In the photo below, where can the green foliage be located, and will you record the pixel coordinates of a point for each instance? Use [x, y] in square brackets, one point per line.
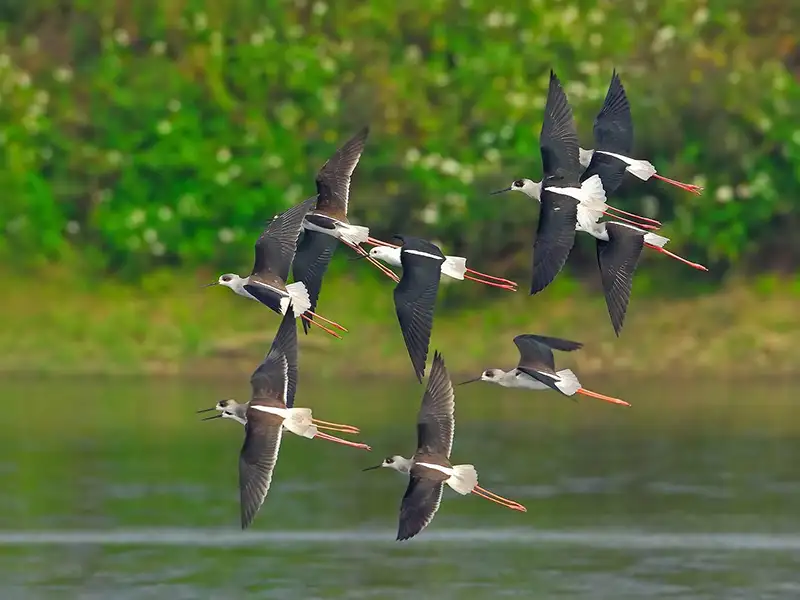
[156, 133]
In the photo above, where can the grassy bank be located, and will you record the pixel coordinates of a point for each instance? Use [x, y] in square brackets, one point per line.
[67, 324]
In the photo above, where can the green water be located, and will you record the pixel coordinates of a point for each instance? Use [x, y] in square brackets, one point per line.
[114, 489]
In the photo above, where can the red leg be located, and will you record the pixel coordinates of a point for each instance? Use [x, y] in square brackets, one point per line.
[308, 319]
[331, 438]
[689, 187]
[697, 266]
[335, 426]
[630, 214]
[313, 314]
[592, 394]
[487, 495]
[502, 286]
[492, 277]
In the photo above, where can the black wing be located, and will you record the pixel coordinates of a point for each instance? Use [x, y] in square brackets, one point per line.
[314, 253]
[535, 354]
[613, 132]
[436, 419]
[414, 302]
[555, 236]
[617, 259]
[419, 505]
[536, 351]
[276, 246]
[256, 462]
[333, 179]
[558, 140]
[551, 342]
[613, 126]
[276, 376]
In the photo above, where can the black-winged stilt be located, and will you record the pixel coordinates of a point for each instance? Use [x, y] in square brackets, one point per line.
[537, 371]
[429, 469]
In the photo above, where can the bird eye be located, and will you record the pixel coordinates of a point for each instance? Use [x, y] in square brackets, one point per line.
[226, 278]
[488, 374]
[389, 461]
[519, 183]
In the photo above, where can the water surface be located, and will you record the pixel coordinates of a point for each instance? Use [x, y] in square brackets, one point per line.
[113, 488]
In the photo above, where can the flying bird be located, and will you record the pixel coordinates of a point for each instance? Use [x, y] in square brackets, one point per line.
[429, 469]
[269, 411]
[561, 190]
[613, 136]
[537, 370]
[454, 267]
[330, 215]
[274, 252]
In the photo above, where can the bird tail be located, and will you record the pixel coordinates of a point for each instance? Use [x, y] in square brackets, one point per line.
[299, 295]
[464, 479]
[298, 421]
[642, 169]
[455, 267]
[354, 234]
[655, 240]
[567, 382]
[593, 192]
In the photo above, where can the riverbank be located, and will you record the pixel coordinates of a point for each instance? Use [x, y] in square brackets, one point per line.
[70, 327]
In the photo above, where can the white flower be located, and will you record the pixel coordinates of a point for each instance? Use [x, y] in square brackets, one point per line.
[122, 37]
[223, 155]
[724, 193]
[150, 236]
[429, 214]
[226, 235]
[164, 127]
[63, 74]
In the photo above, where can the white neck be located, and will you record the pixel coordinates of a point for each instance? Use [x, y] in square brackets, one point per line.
[402, 465]
[532, 189]
[237, 285]
[507, 380]
[389, 255]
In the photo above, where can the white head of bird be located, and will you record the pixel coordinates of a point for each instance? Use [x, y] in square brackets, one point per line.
[396, 462]
[231, 280]
[498, 376]
[532, 189]
[228, 409]
[387, 254]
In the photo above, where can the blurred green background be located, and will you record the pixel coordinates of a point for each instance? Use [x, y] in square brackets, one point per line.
[144, 143]
[137, 138]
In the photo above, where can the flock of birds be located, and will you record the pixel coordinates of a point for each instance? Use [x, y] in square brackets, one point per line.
[572, 194]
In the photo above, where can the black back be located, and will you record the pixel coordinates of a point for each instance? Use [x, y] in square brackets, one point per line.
[613, 132]
[558, 140]
[555, 236]
[314, 253]
[415, 297]
[276, 246]
[436, 419]
[617, 259]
